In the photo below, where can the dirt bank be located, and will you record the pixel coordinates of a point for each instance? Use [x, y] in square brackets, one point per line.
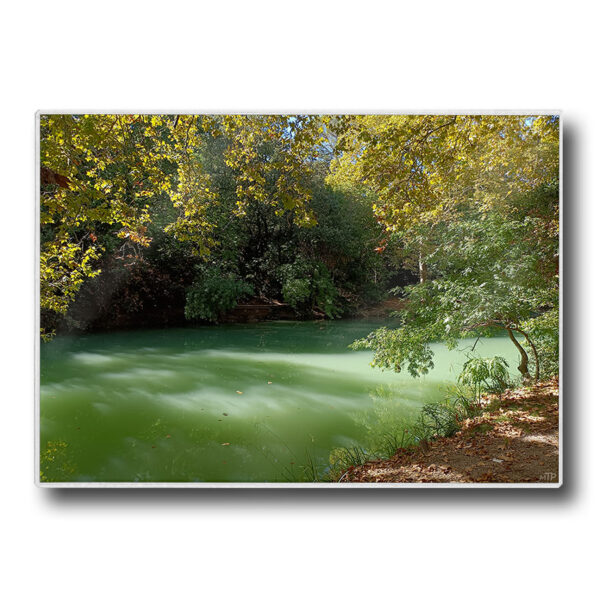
[515, 440]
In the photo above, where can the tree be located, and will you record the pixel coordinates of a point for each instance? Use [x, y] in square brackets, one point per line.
[421, 167]
[462, 196]
[99, 176]
[102, 175]
[328, 266]
[489, 273]
[132, 200]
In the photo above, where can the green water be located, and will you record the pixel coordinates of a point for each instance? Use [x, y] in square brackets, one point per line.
[164, 405]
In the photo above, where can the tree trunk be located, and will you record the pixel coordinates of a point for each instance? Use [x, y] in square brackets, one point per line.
[535, 353]
[523, 365]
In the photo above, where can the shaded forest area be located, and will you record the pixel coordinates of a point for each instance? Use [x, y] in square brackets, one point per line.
[127, 254]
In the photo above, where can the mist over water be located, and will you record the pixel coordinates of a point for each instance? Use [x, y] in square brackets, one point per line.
[225, 403]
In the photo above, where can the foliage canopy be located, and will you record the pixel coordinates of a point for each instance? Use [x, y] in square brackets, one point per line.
[319, 212]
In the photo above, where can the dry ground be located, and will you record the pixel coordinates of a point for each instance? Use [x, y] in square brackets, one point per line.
[515, 440]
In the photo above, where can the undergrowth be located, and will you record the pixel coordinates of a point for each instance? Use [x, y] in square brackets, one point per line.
[435, 420]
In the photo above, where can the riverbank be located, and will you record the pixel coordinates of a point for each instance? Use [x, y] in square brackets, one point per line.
[170, 313]
[514, 440]
[258, 310]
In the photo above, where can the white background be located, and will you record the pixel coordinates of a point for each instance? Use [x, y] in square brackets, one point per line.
[332, 56]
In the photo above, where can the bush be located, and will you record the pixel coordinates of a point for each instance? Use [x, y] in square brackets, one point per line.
[296, 291]
[440, 420]
[307, 284]
[214, 293]
[485, 374]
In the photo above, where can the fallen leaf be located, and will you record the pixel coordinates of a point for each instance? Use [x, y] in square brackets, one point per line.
[238, 392]
[225, 444]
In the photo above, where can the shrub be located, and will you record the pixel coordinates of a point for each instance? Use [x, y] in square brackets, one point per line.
[485, 374]
[439, 420]
[214, 293]
[296, 291]
[307, 284]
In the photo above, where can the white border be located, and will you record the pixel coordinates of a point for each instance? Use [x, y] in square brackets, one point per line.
[321, 485]
[36, 305]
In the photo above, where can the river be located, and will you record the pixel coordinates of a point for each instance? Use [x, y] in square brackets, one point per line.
[229, 403]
